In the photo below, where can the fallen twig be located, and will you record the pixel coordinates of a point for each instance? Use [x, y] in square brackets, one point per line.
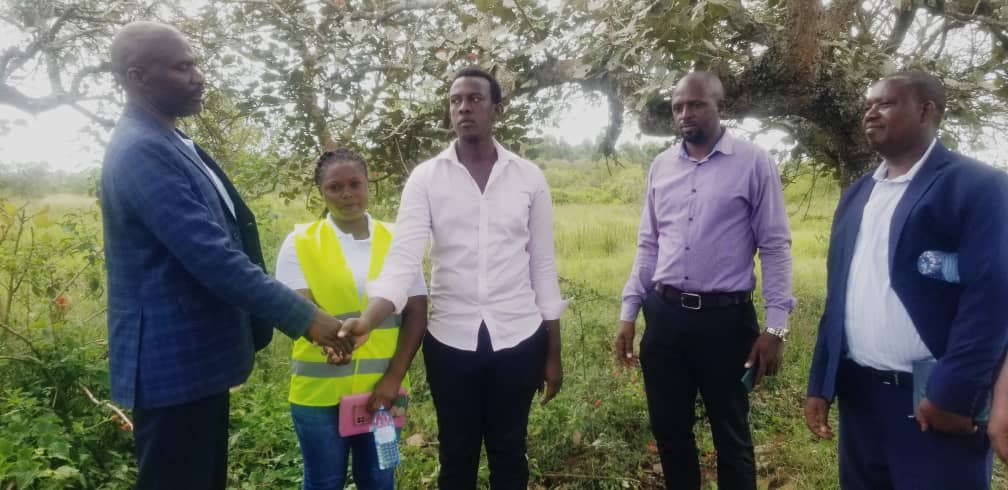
[24, 359]
[127, 423]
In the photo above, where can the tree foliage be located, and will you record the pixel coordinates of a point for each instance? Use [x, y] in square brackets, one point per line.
[311, 74]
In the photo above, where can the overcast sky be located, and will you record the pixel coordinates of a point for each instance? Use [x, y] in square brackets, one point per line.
[57, 137]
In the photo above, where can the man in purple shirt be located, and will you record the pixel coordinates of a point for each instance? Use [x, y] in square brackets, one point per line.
[711, 203]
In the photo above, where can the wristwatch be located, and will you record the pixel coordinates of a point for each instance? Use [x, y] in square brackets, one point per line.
[780, 333]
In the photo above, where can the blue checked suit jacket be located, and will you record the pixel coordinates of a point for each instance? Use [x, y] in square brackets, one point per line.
[184, 297]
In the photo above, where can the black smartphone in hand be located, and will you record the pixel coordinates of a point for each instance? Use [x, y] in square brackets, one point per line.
[749, 376]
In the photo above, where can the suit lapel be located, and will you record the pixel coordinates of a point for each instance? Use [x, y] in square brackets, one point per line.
[919, 186]
[243, 215]
[852, 225]
[211, 164]
[184, 150]
[262, 331]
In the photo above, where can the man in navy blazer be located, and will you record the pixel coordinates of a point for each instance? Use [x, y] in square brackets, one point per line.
[882, 315]
[188, 298]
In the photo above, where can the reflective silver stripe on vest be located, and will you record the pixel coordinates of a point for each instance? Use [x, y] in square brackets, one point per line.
[326, 370]
[392, 321]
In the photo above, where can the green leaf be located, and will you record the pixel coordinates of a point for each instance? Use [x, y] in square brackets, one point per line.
[66, 472]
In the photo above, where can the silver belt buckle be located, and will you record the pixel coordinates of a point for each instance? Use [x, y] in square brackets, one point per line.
[685, 304]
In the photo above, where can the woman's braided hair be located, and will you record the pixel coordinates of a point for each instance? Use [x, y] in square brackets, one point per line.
[338, 155]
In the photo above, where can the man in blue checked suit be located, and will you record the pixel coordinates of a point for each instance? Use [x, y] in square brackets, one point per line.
[883, 316]
[188, 299]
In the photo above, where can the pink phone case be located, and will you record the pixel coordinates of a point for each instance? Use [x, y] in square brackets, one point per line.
[354, 417]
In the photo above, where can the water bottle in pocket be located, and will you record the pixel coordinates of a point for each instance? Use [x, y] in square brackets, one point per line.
[936, 264]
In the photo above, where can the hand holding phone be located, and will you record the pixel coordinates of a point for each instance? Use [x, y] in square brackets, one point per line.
[749, 376]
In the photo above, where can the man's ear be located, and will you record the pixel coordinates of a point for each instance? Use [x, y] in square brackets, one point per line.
[498, 111]
[929, 111]
[134, 76]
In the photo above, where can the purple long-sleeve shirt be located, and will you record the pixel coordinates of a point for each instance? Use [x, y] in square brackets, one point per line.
[704, 220]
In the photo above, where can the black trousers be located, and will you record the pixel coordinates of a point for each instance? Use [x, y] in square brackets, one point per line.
[484, 396]
[183, 446]
[881, 447]
[685, 351]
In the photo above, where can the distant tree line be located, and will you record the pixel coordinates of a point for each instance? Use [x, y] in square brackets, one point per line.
[36, 179]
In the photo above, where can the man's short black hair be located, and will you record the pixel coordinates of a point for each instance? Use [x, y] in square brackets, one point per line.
[925, 86]
[473, 71]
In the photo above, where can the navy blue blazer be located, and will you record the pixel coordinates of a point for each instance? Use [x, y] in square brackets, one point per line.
[954, 204]
[182, 289]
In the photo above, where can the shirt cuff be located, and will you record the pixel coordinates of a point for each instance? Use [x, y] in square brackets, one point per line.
[777, 318]
[629, 311]
[553, 310]
[376, 289]
[298, 318]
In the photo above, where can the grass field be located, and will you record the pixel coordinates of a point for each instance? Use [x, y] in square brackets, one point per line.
[595, 434]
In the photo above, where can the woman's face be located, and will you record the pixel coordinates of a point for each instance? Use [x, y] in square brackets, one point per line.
[344, 188]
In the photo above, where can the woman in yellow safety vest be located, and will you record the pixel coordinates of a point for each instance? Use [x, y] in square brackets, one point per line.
[329, 262]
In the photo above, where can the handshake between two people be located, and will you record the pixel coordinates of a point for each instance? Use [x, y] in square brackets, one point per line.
[338, 339]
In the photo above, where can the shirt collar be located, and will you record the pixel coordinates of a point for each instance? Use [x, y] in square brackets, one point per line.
[185, 139]
[725, 145]
[882, 172]
[343, 235]
[504, 156]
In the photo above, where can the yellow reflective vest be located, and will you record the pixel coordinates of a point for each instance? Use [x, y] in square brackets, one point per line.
[314, 382]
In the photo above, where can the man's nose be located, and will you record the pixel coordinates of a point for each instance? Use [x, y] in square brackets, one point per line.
[871, 112]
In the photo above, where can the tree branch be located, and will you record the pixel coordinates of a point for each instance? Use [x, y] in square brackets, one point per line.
[103, 121]
[800, 50]
[19, 57]
[839, 17]
[403, 6]
[22, 338]
[127, 423]
[904, 17]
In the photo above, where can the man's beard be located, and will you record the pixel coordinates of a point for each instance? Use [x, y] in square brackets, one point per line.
[696, 135]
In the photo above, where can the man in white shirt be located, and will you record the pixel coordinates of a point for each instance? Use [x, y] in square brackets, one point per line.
[884, 318]
[493, 334]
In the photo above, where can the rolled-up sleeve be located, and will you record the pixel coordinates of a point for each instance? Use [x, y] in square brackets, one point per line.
[412, 232]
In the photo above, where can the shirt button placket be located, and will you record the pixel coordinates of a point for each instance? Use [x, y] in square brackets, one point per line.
[481, 250]
[690, 209]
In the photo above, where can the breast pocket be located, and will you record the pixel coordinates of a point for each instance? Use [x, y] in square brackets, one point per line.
[508, 213]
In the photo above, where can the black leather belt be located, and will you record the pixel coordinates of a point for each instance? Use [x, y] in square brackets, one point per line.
[698, 301]
[892, 378]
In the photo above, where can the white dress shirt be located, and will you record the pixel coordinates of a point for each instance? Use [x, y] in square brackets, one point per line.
[209, 173]
[492, 252]
[356, 252]
[880, 333]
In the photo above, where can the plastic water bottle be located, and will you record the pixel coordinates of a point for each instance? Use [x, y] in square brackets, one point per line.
[383, 428]
[943, 266]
